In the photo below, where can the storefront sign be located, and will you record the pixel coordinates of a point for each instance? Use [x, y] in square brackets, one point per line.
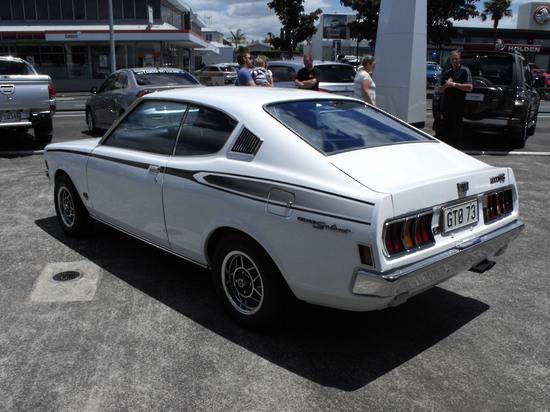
[334, 26]
[522, 48]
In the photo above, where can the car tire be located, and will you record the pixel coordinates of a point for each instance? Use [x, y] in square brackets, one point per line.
[90, 121]
[531, 130]
[250, 287]
[518, 136]
[43, 131]
[71, 212]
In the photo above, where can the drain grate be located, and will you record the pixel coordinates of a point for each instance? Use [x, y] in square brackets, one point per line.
[67, 276]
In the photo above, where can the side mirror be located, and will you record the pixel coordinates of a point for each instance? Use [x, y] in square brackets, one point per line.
[93, 90]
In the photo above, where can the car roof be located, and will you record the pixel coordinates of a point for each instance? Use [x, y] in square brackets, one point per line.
[316, 63]
[224, 97]
[140, 70]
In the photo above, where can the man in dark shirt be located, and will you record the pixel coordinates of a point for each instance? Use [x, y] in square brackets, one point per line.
[455, 83]
[307, 76]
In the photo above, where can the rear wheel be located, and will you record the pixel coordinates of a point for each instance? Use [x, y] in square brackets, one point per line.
[249, 285]
[71, 212]
[90, 121]
[518, 136]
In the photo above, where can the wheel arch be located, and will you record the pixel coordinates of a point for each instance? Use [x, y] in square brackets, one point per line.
[219, 233]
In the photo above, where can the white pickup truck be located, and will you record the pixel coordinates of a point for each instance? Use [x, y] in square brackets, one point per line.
[27, 99]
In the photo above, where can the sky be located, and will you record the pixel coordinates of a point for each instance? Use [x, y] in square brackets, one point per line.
[255, 19]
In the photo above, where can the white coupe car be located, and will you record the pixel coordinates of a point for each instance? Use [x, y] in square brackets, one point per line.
[288, 194]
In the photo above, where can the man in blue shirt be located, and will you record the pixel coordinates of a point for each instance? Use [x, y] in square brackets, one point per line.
[244, 78]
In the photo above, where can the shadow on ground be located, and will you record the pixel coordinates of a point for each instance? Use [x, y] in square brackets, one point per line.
[18, 141]
[339, 349]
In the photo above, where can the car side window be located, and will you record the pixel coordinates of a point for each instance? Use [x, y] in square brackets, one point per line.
[121, 81]
[204, 131]
[108, 84]
[150, 127]
[282, 73]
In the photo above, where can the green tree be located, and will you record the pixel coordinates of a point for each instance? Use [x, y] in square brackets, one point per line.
[238, 37]
[297, 25]
[439, 16]
[497, 9]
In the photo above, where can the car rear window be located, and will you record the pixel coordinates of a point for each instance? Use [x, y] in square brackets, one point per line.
[499, 70]
[165, 79]
[335, 73]
[335, 126]
[13, 67]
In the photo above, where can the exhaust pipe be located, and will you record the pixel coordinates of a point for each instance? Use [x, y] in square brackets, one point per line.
[483, 266]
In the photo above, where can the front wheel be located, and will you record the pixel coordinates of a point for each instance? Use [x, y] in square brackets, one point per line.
[71, 212]
[90, 121]
[249, 285]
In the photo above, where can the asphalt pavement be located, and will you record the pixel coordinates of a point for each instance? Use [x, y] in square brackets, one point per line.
[142, 331]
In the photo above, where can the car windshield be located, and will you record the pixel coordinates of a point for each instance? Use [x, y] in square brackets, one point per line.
[8, 67]
[335, 73]
[334, 126]
[165, 79]
[497, 69]
[227, 68]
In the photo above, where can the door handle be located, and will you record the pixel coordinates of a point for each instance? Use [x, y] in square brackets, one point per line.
[154, 169]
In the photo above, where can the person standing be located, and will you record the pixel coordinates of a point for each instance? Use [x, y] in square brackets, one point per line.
[364, 87]
[307, 76]
[244, 78]
[455, 83]
[260, 74]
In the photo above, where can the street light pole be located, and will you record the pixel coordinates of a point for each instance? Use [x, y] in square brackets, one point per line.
[112, 37]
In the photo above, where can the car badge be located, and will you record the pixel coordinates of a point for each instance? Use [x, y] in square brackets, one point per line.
[498, 179]
[462, 188]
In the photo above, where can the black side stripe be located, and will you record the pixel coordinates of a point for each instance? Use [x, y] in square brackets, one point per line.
[68, 151]
[133, 163]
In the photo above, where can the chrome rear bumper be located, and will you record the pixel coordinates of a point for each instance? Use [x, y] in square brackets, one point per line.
[410, 280]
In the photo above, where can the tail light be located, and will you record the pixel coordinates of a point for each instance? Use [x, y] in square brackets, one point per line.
[143, 93]
[408, 233]
[497, 205]
[51, 96]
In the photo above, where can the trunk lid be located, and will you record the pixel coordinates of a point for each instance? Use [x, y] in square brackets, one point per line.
[418, 175]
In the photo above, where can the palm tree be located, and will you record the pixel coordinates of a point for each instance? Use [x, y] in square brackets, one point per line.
[497, 9]
[238, 37]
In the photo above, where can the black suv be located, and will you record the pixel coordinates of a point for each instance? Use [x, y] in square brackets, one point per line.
[503, 98]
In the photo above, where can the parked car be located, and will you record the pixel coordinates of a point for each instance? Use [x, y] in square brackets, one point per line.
[504, 96]
[27, 99]
[433, 74]
[333, 77]
[124, 86]
[295, 194]
[227, 70]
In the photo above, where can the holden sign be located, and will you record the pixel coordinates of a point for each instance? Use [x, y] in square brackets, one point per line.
[542, 15]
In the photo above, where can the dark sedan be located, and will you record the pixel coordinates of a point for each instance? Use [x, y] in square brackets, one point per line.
[124, 86]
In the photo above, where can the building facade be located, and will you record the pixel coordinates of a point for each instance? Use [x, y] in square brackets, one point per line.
[69, 39]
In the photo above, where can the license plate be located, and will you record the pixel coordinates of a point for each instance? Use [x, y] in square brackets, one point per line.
[475, 97]
[10, 117]
[459, 216]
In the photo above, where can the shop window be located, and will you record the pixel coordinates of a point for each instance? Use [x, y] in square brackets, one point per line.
[91, 9]
[17, 10]
[129, 11]
[55, 9]
[5, 12]
[117, 9]
[30, 10]
[78, 64]
[155, 4]
[79, 10]
[141, 9]
[67, 9]
[103, 8]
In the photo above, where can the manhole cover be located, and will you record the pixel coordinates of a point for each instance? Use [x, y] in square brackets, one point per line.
[67, 275]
